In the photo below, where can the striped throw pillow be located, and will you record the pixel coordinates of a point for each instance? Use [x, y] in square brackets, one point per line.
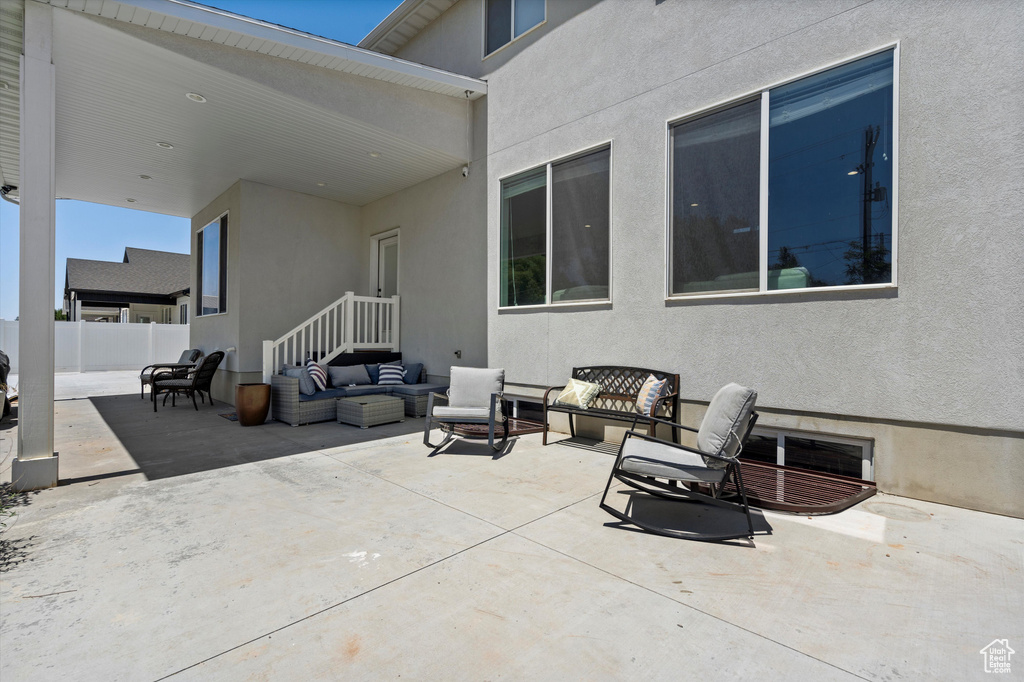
[649, 392]
[318, 374]
[391, 375]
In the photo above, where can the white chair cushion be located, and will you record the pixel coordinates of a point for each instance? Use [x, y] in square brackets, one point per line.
[725, 422]
[662, 461]
[449, 412]
[473, 386]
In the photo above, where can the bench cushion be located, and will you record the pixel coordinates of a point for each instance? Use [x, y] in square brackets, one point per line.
[578, 394]
[446, 412]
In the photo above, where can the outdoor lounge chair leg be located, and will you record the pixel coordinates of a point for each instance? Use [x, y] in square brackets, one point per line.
[194, 400]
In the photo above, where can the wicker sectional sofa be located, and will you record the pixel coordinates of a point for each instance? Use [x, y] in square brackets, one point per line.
[291, 407]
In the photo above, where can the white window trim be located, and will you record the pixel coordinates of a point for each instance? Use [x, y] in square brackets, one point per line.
[227, 238]
[611, 222]
[375, 241]
[484, 54]
[868, 445]
[763, 188]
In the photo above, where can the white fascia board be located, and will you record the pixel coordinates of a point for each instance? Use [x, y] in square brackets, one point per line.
[216, 18]
[390, 22]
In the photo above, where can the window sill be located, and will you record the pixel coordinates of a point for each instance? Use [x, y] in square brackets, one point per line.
[552, 307]
[682, 298]
[199, 317]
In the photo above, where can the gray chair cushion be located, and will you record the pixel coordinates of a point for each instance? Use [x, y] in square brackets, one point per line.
[662, 461]
[448, 412]
[473, 386]
[419, 389]
[306, 385]
[353, 374]
[725, 422]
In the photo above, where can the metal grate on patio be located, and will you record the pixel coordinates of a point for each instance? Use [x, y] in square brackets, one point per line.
[781, 488]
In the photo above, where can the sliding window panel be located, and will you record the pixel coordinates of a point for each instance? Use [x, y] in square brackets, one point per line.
[831, 177]
[580, 224]
[528, 13]
[499, 24]
[715, 201]
[524, 239]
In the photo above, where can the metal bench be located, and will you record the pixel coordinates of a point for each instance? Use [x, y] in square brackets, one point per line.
[617, 399]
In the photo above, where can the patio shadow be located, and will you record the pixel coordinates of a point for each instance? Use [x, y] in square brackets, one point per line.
[177, 441]
[687, 517]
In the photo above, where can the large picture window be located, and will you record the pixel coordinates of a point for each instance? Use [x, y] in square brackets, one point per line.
[212, 261]
[555, 224]
[506, 20]
[816, 212]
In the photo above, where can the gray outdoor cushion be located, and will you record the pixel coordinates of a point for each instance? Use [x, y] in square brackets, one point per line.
[662, 461]
[329, 394]
[419, 389]
[473, 386]
[353, 374]
[306, 385]
[725, 422]
[370, 389]
[448, 412]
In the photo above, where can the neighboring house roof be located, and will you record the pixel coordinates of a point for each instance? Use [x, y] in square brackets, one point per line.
[142, 272]
[403, 24]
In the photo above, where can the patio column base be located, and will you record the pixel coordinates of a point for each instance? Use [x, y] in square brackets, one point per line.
[34, 474]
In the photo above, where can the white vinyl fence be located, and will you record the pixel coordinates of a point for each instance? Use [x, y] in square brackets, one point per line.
[97, 346]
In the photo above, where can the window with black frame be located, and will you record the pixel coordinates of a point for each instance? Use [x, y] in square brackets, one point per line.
[506, 20]
[211, 265]
[827, 192]
[555, 239]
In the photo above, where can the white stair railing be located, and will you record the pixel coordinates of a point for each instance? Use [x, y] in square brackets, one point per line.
[351, 323]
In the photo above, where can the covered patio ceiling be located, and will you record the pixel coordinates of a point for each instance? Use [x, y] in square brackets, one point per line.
[281, 108]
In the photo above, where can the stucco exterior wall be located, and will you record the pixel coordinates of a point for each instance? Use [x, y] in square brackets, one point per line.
[289, 255]
[944, 348]
[218, 332]
[442, 267]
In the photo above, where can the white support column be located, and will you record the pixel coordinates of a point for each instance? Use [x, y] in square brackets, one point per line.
[36, 464]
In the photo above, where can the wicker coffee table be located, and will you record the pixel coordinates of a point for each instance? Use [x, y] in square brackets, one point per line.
[370, 410]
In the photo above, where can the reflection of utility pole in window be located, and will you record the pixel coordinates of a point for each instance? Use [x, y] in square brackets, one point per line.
[870, 257]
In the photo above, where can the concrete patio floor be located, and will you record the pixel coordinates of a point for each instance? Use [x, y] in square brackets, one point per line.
[181, 545]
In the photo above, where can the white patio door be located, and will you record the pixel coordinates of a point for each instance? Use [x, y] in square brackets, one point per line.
[387, 267]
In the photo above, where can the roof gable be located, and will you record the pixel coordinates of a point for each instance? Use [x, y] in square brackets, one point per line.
[143, 271]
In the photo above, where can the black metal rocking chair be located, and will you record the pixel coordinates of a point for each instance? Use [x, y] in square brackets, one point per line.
[474, 400]
[680, 473]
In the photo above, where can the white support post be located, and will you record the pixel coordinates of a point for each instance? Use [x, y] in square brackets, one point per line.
[396, 310]
[36, 463]
[349, 323]
[268, 360]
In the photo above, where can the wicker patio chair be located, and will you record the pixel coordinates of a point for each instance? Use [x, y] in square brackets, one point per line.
[189, 356]
[474, 399]
[198, 381]
[677, 472]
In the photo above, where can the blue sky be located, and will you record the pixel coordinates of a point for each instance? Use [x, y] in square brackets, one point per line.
[99, 232]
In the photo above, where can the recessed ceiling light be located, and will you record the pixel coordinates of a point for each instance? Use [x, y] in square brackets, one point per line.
[130, 201]
[165, 145]
[321, 184]
[853, 172]
[195, 97]
[694, 204]
[375, 155]
[145, 177]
